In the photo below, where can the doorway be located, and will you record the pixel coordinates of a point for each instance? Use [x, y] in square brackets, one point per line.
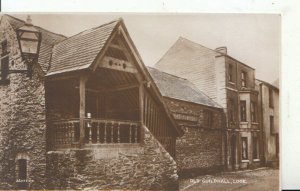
[22, 174]
[233, 151]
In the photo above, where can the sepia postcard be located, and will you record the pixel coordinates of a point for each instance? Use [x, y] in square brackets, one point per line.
[140, 101]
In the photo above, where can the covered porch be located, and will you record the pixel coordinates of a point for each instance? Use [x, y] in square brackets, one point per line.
[101, 107]
[111, 100]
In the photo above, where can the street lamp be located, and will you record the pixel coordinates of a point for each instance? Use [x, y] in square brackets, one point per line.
[29, 39]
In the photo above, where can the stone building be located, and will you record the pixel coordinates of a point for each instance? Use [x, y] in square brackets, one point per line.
[201, 149]
[91, 117]
[231, 84]
[269, 113]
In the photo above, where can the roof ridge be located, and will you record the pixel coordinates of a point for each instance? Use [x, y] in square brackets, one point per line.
[181, 38]
[196, 43]
[167, 73]
[20, 20]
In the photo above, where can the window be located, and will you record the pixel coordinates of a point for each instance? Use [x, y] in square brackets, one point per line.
[253, 112]
[243, 79]
[230, 73]
[255, 148]
[4, 62]
[208, 115]
[231, 110]
[271, 101]
[22, 173]
[243, 110]
[244, 148]
[272, 130]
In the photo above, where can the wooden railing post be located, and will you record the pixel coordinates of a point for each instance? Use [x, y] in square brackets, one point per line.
[82, 82]
[112, 133]
[105, 132]
[98, 133]
[118, 132]
[141, 103]
[130, 134]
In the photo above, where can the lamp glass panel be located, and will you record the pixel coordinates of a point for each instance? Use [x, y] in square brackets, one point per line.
[29, 46]
[30, 35]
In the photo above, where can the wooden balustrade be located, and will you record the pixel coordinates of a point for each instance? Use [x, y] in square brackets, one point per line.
[111, 131]
[66, 133]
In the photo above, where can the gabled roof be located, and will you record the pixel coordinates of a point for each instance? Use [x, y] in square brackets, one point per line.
[185, 51]
[179, 88]
[80, 50]
[49, 39]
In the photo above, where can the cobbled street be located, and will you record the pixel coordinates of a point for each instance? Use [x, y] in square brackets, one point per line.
[262, 179]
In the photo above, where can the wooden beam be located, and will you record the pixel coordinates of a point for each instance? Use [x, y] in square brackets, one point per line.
[90, 90]
[124, 87]
[116, 46]
[141, 102]
[82, 89]
[117, 64]
[129, 58]
[61, 77]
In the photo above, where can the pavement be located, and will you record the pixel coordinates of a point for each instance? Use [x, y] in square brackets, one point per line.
[262, 179]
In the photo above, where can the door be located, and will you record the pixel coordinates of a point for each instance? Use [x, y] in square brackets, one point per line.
[233, 151]
[22, 174]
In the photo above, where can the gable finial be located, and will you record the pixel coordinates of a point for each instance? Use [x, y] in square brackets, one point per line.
[28, 20]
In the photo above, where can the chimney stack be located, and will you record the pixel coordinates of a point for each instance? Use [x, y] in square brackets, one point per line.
[222, 50]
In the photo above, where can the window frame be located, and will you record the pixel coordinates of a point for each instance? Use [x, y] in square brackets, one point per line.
[230, 73]
[244, 79]
[272, 125]
[271, 99]
[244, 149]
[255, 147]
[253, 111]
[243, 110]
[231, 110]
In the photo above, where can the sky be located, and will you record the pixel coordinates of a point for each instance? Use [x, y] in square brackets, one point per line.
[253, 39]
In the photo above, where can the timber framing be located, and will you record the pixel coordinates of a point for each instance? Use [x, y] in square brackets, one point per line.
[135, 66]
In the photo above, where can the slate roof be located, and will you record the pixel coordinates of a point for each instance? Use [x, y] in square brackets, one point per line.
[179, 88]
[74, 54]
[49, 39]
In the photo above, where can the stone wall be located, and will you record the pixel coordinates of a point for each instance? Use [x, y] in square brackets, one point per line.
[199, 151]
[144, 166]
[201, 148]
[22, 120]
